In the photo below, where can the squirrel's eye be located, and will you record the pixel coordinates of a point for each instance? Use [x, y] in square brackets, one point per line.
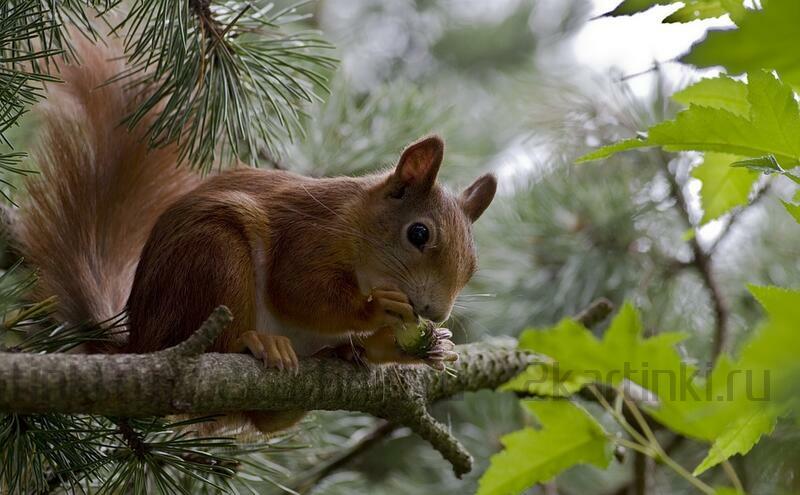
[418, 235]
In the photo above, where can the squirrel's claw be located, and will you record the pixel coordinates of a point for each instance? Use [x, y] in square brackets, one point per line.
[442, 334]
[442, 349]
[275, 351]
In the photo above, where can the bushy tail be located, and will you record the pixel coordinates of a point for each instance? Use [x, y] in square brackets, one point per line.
[100, 191]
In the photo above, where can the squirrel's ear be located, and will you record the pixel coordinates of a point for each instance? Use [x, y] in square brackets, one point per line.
[476, 198]
[420, 163]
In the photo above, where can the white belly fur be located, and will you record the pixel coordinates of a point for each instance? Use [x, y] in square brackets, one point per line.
[306, 342]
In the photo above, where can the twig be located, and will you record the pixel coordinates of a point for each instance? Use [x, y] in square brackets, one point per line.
[731, 473]
[734, 217]
[661, 455]
[641, 473]
[617, 415]
[374, 436]
[647, 443]
[702, 263]
[636, 447]
[596, 312]
[131, 438]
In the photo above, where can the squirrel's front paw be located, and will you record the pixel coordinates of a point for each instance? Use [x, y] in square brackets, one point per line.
[441, 350]
[390, 308]
[275, 350]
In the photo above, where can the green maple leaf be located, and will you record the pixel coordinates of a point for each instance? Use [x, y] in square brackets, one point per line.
[724, 187]
[738, 438]
[717, 92]
[771, 128]
[623, 353]
[545, 380]
[698, 407]
[612, 149]
[766, 39]
[731, 407]
[706, 9]
[690, 11]
[693, 406]
[631, 7]
[569, 436]
[747, 394]
[772, 351]
[794, 210]
[767, 164]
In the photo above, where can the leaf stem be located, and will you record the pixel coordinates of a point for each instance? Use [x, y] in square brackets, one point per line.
[637, 415]
[648, 446]
[631, 445]
[731, 473]
[617, 416]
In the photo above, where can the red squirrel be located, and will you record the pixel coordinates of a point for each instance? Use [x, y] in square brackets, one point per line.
[303, 263]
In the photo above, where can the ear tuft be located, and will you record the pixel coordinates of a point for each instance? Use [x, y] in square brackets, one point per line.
[477, 197]
[419, 164]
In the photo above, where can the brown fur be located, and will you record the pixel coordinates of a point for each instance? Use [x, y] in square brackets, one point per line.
[100, 191]
[317, 233]
[105, 208]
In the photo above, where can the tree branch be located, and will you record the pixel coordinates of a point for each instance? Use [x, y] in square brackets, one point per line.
[183, 380]
[382, 430]
[736, 214]
[593, 314]
[596, 312]
[702, 262]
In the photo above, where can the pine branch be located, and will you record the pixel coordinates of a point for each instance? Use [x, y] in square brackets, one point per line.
[28, 38]
[225, 78]
[182, 380]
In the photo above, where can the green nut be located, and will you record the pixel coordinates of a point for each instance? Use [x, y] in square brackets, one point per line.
[416, 339]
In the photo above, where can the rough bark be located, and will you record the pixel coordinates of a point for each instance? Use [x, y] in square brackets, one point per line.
[183, 379]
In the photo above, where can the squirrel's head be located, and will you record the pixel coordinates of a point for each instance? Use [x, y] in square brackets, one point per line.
[420, 234]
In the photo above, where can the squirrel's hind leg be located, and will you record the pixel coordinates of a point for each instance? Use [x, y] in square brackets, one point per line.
[246, 423]
[271, 421]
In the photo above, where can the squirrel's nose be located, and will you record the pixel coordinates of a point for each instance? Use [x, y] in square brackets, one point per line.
[433, 314]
